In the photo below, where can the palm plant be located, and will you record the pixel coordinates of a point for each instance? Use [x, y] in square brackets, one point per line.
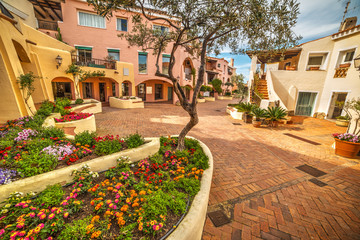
[245, 107]
[275, 114]
[259, 113]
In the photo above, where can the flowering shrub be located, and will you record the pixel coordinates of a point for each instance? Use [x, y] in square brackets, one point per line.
[347, 137]
[77, 154]
[25, 134]
[60, 151]
[6, 175]
[73, 117]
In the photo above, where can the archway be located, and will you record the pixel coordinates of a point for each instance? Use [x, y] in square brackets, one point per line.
[99, 88]
[155, 90]
[188, 66]
[63, 87]
[126, 88]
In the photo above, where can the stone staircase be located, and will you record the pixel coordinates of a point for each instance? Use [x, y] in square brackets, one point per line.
[262, 88]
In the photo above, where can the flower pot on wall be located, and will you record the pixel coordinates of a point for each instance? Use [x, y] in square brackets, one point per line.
[346, 149]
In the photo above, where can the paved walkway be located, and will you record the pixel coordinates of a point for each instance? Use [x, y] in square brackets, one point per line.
[256, 182]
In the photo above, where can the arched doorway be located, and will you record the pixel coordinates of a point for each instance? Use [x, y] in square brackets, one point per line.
[63, 87]
[126, 88]
[155, 90]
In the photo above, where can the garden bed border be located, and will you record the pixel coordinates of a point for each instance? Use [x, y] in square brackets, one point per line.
[191, 227]
[63, 176]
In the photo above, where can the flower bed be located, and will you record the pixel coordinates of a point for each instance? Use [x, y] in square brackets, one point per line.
[73, 117]
[29, 152]
[129, 201]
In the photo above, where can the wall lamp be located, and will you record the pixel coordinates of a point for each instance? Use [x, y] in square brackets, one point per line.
[58, 60]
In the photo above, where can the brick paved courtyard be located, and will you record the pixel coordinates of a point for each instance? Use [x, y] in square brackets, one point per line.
[255, 181]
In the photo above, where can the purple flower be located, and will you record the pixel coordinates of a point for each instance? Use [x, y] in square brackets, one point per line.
[6, 175]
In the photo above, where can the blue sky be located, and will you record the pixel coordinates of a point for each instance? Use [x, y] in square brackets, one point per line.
[317, 18]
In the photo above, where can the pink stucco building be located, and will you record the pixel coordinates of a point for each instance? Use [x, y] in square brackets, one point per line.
[96, 38]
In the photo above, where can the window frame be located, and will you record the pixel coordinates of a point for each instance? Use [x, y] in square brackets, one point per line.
[162, 63]
[162, 28]
[146, 68]
[325, 59]
[117, 25]
[84, 12]
[112, 50]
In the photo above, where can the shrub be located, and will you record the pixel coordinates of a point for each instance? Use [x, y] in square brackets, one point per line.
[276, 113]
[33, 164]
[76, 230]
[86, 138]
[46, 108]
[108, 147]
[259, 112]
[52, 132]
[200, 160]
[36, 122]
[79, 101]
[245, 107]
[216, 83]
[228, 94]
[62, 102]
[37, 145]
[51, 196]
[134, 140]
[190, 185]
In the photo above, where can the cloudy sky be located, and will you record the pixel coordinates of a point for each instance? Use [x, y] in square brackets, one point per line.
[318, 18]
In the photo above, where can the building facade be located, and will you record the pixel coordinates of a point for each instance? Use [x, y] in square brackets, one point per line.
[24, 49]
[313, 77]
[219, 68]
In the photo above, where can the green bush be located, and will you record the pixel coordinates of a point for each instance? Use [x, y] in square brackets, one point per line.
[108, 147]
[276, 113]
[86, 138]
[62, 102]
[217, 83]
[190, 185]
[200, 160]
[76, 230]
[245, 107]
[46, 108]
[51, 196]
[228, 94]
[259, 112]
[36, 163]
[79, 101]
[52, 132]
[38, 144]
[134, 140]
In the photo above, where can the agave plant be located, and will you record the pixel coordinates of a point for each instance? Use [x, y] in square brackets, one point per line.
[276, 113]
[259, 113]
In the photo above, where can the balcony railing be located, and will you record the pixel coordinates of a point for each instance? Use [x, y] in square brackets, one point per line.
[93, 62]
[48, 25]
[341, 72]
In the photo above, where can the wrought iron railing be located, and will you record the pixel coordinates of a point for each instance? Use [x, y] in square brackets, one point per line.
[48, 25]
[93, 62]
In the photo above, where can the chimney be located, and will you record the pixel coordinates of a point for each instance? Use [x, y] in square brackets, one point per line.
[231, 62]
[348, 23]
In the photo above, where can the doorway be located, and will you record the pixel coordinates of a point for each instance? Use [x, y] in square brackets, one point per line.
[158, 91]
[142, 91]
[62, 89]
[336, 104]
[305, 103]
[102, 92]
[170, 93]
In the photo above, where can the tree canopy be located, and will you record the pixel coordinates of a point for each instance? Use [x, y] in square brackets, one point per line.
[200, 27]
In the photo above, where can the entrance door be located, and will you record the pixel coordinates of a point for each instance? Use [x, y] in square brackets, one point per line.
[158, 91]
[62, 89]
[170, 93]
[102, 92]
[305, 103]
[336, 105]
[142, 91]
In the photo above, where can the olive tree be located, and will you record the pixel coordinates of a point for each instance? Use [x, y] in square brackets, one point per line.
[205, 26]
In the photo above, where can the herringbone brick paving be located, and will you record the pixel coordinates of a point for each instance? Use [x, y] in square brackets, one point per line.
[255, 181]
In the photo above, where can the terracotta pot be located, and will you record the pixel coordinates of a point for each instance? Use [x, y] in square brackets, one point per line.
[346, 149]
[344, 65]
[247, 118]
[342, 123]
[256, 123]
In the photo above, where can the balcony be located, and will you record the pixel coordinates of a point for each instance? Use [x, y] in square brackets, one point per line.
[48, 25]
[93, 62]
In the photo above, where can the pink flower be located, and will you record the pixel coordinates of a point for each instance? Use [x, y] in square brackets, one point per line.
[2, 231]
[51, 216]
[20, 225]
[42, 216]
[32, 214]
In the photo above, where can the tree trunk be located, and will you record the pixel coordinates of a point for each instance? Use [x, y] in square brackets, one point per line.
[194, 119]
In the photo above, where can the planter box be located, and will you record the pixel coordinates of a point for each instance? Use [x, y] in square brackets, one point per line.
[39, 182]
[235, 114]
[50, 121]
[210, 99]
[200, 100]
[225, 97]
[342, 123]
[191, 227]
[87, 124]
[346, 149]
[89, 106]
[126, 103]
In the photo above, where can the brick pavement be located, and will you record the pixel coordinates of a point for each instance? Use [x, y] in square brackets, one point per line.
[256, 182]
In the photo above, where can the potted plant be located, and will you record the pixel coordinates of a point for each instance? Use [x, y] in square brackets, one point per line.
[275, 114]
[346, 144]
[246, 109]
[259, 114]
[342, 121]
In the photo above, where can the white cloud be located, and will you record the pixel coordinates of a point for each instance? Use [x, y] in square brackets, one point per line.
[242, 66]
